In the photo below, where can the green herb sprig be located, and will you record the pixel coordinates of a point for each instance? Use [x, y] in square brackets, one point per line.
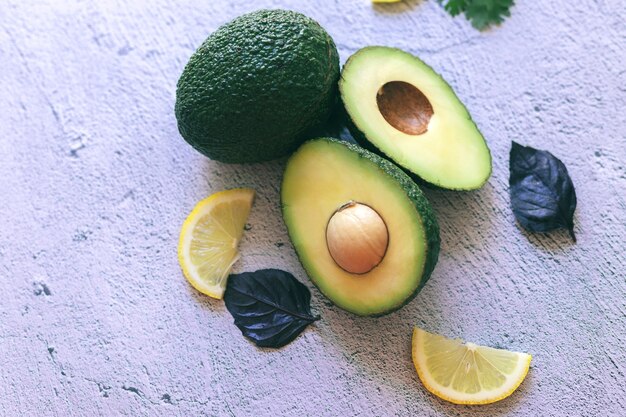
[481, 13]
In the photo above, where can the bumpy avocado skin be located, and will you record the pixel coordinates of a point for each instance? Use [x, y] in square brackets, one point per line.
[422, 205]
[256, 86]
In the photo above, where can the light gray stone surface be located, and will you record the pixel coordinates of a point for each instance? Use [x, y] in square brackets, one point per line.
[95, 181]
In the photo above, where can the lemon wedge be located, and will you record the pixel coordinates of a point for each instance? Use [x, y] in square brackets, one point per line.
[209, 239]
[466, 373]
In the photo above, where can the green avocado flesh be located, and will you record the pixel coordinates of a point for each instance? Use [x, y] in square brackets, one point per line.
[324, 175]
[399, 107]
[256, 86]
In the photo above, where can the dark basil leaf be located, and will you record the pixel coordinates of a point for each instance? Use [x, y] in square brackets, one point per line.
[542, 194]
[270, 306]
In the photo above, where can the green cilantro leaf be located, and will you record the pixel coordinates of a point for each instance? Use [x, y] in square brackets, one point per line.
[455, 7]
[481, 13]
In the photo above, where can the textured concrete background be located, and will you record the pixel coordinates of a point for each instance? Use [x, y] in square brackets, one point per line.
[95, 181]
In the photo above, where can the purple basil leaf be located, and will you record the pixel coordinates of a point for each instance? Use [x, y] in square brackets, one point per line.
[271, 307]
[542, 194]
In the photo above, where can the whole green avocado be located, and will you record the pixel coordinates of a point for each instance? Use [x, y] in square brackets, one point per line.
[256, 87]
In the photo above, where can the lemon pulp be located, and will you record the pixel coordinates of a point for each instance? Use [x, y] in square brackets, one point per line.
[209, 239]
[466, 373]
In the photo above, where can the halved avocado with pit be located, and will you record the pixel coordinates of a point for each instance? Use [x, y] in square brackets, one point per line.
[363, 230]
[401, 108]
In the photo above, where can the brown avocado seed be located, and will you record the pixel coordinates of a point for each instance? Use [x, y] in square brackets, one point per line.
[405, 107]
[357, 238]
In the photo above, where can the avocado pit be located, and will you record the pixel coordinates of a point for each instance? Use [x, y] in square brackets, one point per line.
[404, 107]
[357, 237]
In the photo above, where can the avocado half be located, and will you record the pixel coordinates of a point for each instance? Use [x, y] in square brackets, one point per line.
[401, 108]
[343, 204]
[256, 87]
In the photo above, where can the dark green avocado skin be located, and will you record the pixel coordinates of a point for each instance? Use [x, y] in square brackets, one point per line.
[422, 205]
[256, 87]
